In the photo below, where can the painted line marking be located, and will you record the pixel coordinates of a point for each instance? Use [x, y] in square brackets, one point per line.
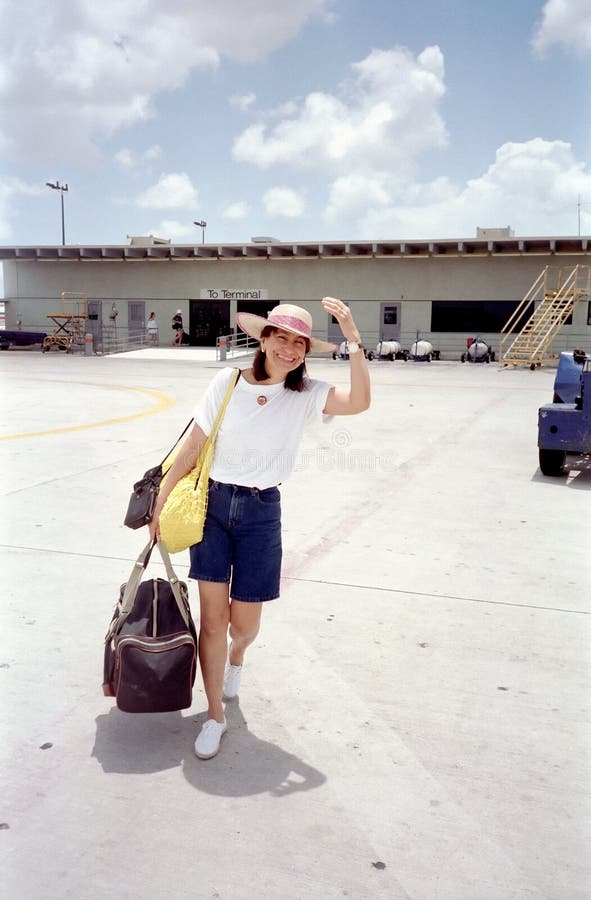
[164, 401]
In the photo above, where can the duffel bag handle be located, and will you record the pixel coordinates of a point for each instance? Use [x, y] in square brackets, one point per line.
[174, 583]
[140, 565]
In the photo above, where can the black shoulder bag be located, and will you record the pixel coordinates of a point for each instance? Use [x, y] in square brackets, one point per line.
[140, 508]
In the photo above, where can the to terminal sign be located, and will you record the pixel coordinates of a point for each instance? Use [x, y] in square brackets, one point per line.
[225, 294]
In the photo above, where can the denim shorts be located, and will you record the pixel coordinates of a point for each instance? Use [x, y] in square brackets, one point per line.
[241, 543]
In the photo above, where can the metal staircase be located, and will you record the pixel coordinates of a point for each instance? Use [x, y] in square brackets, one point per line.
[541, 314]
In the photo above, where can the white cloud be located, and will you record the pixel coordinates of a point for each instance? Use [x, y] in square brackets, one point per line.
[282, 201]
[352, 195]
[528, 182]
[379, 120]
[566, 22]
[124, 158]
[172, 191]
[75, 71]
[127, 159]
[237, 210]
[172, 230]
[10, 189]
[243, 101]
[283, 110]
[153, 152]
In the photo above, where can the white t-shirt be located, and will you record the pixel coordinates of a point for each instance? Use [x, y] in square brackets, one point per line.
[257, 442]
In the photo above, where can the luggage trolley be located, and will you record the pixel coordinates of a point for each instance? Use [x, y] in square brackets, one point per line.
[477, 351]
[343, 351]
[422, 351]
[388, 350]
[70, 322]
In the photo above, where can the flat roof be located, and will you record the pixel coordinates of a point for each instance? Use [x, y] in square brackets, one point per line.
[300, 250]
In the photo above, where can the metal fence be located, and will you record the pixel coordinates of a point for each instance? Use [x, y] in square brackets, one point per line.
[234, 345]
[120, 340]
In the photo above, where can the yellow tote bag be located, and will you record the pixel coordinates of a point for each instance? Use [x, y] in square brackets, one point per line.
[183, 516]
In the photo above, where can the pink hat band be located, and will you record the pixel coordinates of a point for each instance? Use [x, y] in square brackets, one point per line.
[288, 316]
[291, 322]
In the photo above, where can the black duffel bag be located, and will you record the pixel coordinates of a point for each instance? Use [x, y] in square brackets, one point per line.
[151, 645]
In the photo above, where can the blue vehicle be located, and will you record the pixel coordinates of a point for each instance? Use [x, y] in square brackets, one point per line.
[567, 384]
[20, 338]
[564, 426]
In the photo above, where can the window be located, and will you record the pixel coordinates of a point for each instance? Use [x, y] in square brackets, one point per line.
[390, 315]
[472, 316]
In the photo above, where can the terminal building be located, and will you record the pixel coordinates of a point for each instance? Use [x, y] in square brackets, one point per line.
[446, 291]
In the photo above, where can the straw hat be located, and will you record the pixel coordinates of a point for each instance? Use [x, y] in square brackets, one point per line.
[289, 318]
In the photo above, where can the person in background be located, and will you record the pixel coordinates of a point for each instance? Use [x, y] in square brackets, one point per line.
[238, 563]
[177, 327]
[152, 328]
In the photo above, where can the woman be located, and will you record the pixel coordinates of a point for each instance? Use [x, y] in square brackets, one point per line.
[152, 328]
[177, 327]
[238, 562]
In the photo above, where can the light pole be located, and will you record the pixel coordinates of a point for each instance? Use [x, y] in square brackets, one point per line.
[202, 225]
[61, 188]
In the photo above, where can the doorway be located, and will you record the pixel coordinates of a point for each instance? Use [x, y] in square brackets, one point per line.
[95, 322]
[390, 321]
[256, 307]
[136, 322]
[208, 320]
[334, 333]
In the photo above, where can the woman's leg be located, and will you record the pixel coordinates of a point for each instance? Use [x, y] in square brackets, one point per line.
[213, 642]
[245, 620]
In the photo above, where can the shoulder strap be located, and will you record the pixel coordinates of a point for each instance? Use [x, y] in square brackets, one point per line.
[218, 419]
[216, 424]
[178, 440]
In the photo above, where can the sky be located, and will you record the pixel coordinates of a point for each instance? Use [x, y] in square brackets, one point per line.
[311, 120]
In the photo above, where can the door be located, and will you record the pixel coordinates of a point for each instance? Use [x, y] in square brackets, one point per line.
[390, 321]
[95, 322]
[208, 320]
[136, 311]
[256, 307]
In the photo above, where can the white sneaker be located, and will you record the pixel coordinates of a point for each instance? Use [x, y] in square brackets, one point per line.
[209, 738]
[231, 681]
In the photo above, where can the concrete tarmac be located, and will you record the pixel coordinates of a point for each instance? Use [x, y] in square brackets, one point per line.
[412, 721]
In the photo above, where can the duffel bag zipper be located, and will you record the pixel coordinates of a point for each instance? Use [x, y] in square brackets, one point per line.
[152, 646]
[155, 610]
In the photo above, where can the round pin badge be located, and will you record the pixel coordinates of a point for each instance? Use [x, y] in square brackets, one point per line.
[261, 400]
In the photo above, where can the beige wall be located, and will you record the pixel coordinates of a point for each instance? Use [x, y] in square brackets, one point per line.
[33, 288]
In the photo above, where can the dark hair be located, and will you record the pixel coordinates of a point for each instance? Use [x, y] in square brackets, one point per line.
[294, 380]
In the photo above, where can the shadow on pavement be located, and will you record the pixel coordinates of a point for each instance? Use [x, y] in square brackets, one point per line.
[245, 765]
[142, 744]
[577, 475]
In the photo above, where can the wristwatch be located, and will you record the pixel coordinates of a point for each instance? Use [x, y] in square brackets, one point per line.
[354, 347]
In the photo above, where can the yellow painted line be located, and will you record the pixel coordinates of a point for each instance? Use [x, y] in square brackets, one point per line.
[164, 401]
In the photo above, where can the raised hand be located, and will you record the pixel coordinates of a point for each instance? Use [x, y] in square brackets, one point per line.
[342, 314]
